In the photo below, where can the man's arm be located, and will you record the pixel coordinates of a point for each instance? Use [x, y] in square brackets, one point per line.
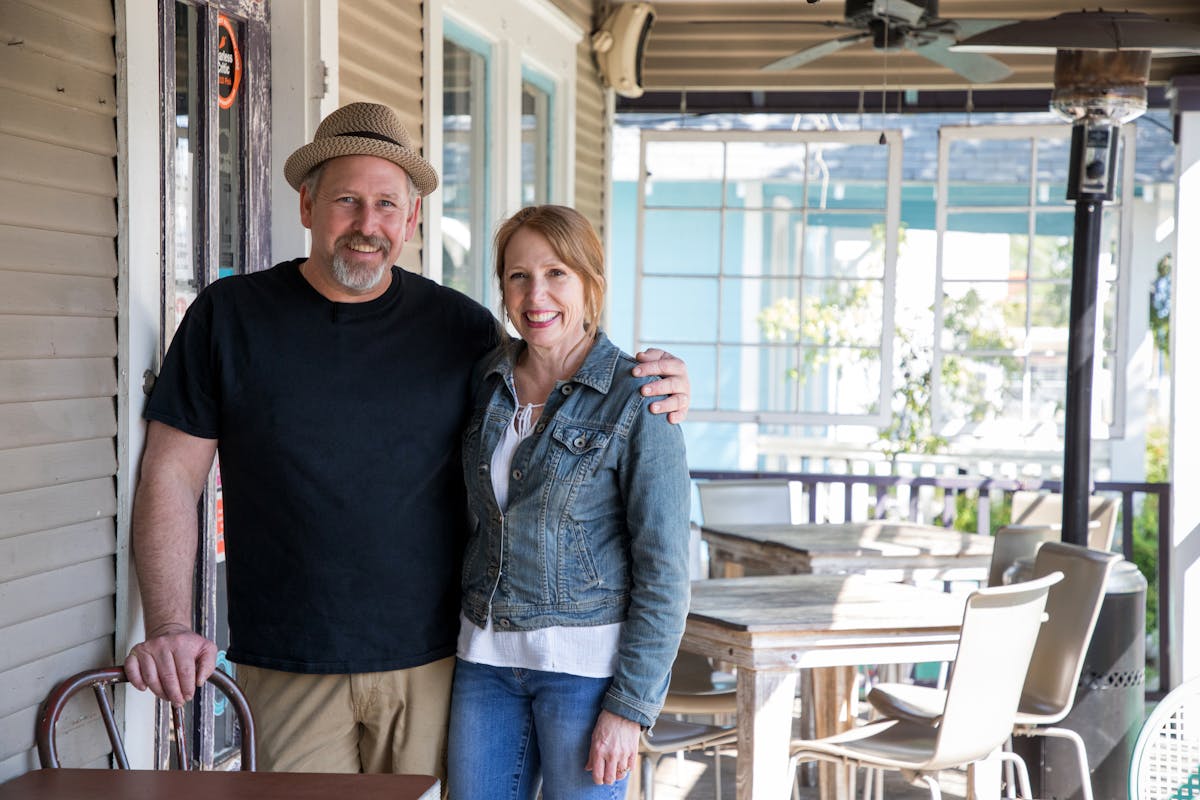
[174, 659]
[675, 383]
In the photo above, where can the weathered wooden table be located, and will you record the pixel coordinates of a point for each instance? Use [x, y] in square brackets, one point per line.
[897, 551]
[771, 627]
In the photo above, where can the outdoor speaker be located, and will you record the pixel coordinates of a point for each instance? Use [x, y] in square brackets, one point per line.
[619, 44]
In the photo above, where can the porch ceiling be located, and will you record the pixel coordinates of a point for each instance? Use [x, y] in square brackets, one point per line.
[718, 45]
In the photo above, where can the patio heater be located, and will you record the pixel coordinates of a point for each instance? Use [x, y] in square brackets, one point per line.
[1101, 67]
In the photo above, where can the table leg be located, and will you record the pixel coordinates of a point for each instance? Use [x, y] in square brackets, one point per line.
[765, 699]
[833, 712]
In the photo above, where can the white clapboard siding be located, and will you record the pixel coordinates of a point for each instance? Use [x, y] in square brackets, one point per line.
[65, 295]
[58, 371]
[46, 30]
[48, 208]
[54, 507]
[380, 56]
[590, 129]
[35, 118]
[61, 337]
[57, 463]
[48, 421]
[44, 551]
[23, 379]
[48, 164]
[35, 250]
[56, 632]
[81, 742]
[34, 679]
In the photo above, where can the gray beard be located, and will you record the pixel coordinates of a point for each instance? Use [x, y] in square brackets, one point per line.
[355, 277]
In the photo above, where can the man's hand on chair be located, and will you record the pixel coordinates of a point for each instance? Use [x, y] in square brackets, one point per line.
[172, 662]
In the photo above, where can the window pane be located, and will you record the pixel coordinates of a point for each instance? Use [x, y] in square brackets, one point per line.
[845, 245]
[678, 309]
[765, 174]
[1053, 245]
[974, 390]
[535, 144]
[762, 242]
[684, 174]
[760, 310]
[682, 242]
[464, 159]
[989, 172]
[1053, 163]
[983, 316]
[1050, 307]
[844, 175]
[985, 246]
[764, 378]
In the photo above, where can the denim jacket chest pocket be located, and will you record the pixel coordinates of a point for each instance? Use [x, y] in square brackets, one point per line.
[577, 451]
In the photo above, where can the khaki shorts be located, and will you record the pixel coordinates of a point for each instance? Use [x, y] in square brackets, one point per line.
[369, 722]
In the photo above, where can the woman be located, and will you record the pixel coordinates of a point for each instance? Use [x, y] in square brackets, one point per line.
[575, 583]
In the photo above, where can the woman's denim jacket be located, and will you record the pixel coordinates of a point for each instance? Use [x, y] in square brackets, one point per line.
[596, 529]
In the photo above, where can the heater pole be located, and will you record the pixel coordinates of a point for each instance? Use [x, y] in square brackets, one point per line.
[1077, 457]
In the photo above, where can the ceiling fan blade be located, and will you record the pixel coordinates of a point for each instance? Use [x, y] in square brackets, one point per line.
[813, 53]
[975, 67]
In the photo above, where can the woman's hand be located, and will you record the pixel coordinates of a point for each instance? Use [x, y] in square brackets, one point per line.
[614, 747]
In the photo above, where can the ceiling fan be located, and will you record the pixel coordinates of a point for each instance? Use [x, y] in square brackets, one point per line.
[909, 24]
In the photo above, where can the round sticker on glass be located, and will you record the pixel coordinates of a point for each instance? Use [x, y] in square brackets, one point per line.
[229, 63]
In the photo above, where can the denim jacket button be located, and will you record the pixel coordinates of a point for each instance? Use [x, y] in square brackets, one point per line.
[541, 426]
[483, 469]
[504, 623]
[580, 441]
[568, 389]
[517, 474]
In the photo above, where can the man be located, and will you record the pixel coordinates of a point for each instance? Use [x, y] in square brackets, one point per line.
[335, 389]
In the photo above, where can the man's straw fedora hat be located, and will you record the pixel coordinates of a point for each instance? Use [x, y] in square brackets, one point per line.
[361, 129]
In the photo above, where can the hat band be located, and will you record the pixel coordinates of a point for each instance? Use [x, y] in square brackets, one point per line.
[371, 135]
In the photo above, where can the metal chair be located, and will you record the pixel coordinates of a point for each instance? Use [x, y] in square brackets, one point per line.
[1000, 626]
[676, 736]
[694, 689]
[1042, 508]
[99, 680]
[1166, 755]
[1014, 542]
[1049, 689]
[754, 502]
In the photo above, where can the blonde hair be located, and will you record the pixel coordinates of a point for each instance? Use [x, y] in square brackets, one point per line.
[573, 240]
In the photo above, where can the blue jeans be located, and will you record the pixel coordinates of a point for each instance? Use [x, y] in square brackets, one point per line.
[510, 727]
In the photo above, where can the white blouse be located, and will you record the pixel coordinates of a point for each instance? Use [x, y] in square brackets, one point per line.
[590, 652]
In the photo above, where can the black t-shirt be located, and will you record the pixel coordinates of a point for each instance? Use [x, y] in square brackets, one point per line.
[338, 430]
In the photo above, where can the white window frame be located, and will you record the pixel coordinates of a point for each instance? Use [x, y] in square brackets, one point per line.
[894, 142]
[529, 35]
[1101, 429]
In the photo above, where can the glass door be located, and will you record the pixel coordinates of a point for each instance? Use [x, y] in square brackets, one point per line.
[215, 222]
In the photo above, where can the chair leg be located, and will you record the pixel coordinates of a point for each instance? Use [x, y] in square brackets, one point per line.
[649, 762]
[1015, 763]
[935, 791]
[717, 771]
[1085, 778]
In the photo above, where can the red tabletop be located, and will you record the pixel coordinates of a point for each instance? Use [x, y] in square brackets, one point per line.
[106, 784]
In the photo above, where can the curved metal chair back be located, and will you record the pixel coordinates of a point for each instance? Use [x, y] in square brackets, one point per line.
[1166, 756]
[1044, 508]
[1013, 542]
[1000, 626]
[99, 680]
[1073, 607]
[752, 502]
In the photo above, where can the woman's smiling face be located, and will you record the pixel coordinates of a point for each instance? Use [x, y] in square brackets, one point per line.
[543, 296]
